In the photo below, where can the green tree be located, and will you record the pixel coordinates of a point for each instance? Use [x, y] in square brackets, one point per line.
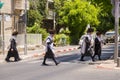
[35, 17]
[37, 29]
[76, 14]
[105, 17]
[58, 5]
[42, 7]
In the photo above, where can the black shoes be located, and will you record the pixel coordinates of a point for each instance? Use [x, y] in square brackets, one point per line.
[99, 58]
[7, 60]
[81, 60]
[18, 59]
[57, 63]
[45, 64]
[93, 60]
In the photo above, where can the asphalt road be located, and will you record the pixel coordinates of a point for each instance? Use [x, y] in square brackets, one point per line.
[70, 68]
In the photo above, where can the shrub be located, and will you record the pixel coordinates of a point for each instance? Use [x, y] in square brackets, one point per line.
[61, 39]
[37, 29]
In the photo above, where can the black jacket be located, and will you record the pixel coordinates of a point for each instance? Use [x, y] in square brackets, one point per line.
[13, 44]
[97, 47]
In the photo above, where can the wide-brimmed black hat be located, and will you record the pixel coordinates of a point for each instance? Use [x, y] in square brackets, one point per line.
[52, 31]
[15, 33]
[98, 33]
[90, 30]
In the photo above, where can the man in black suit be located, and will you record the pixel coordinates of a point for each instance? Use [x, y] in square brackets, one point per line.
[13, 52]
[97, 45]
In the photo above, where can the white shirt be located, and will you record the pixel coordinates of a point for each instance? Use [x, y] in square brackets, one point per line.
[49, 39]
[84, 44]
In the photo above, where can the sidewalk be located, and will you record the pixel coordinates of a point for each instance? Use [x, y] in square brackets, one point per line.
[108, 64]
[40, 52]
[105, 64]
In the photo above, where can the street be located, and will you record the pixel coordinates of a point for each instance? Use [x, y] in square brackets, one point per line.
[32, 29]
[70, 68]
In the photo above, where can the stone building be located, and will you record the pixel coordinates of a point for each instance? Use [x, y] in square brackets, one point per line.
[12, 11]
[12, 18]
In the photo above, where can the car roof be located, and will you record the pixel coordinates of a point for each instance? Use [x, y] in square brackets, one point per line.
[110, 32]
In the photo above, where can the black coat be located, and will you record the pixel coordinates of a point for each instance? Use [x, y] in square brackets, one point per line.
[13, 44]
[97, 47]
[14, 52]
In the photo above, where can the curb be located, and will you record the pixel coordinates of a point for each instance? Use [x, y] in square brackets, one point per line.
[24, 57]
[57, 52]
[102, 67]
[111, 66]
[66, 50]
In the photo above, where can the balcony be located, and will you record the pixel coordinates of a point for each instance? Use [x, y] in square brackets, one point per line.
[20, 4]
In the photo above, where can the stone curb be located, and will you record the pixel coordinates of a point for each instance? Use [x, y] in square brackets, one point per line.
[42, 54]
[57, 52]
[110, 65]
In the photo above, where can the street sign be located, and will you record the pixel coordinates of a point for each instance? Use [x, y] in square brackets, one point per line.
[1, 4]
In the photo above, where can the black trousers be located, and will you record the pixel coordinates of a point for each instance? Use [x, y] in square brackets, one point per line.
[53, 58]
[83, 55]
[49, 54]
[98, 53]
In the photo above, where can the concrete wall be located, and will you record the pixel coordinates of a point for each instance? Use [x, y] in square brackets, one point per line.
[7, 7]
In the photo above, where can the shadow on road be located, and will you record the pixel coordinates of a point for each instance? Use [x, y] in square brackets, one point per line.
[76, 57]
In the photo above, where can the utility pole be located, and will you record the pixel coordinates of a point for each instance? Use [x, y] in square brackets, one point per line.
[3, 35]
[116, 29]
[54, 20]
[25, 33]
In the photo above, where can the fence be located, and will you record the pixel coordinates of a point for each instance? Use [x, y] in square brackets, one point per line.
[32, 39]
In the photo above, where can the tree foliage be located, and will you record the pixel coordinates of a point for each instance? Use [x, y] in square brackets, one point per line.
[105, 17]
[37, 29]
[41, 7]
[76, 15]
[35, 17]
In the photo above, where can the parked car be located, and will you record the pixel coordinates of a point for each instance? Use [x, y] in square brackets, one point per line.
[110, 37]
